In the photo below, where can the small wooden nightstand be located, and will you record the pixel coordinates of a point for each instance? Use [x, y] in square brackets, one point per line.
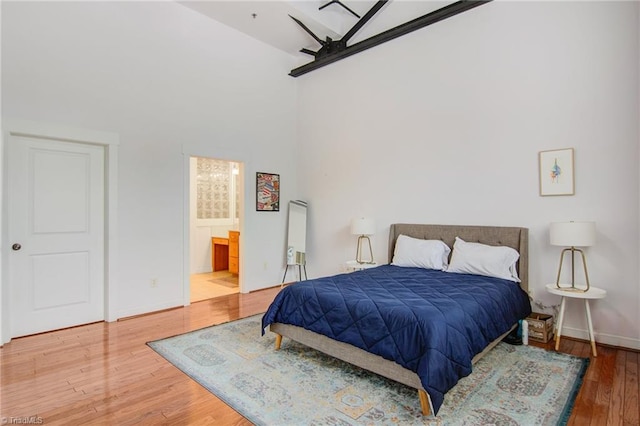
[593, 293]
[353, 265]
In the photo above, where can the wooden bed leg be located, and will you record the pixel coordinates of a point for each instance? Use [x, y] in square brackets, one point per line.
[424, 402]
[278, 341]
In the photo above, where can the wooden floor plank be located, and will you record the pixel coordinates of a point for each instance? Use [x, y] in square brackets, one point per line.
[104, 373]
[631, 417]
[604, 365]
[617, 408]
[584, 405]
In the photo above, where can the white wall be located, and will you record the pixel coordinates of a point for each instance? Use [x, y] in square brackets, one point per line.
[444, 125]
[171, 83]
[4, 327]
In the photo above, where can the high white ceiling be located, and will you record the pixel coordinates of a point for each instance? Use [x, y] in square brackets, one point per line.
[269, 21]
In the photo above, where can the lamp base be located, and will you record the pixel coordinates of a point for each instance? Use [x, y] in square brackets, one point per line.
[571, 287]
[361, 238]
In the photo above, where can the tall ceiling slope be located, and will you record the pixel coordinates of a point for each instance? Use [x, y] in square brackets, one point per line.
[269, 21]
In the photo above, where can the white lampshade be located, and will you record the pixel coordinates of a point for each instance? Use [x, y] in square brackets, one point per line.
[572, 234]
[363, 226]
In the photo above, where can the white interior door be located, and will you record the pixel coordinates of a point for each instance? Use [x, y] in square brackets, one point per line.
[56, 233]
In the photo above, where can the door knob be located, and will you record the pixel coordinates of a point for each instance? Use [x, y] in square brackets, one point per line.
[16, 246]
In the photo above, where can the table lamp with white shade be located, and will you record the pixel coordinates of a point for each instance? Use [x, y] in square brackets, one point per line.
[363, 227]
[572, 235]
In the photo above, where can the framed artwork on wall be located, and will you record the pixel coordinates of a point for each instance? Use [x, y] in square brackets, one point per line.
[267, 192]
[556, 172]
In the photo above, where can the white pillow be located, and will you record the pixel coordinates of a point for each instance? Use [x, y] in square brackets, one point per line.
[429, 254]
[481, 259]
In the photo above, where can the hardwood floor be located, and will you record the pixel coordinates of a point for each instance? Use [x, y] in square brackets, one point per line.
[609, 392]
[104, 373]
[212, 284]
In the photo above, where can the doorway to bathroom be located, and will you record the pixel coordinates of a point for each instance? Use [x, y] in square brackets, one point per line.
[214, 227]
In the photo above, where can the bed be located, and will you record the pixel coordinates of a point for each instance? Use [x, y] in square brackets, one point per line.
[418, 326]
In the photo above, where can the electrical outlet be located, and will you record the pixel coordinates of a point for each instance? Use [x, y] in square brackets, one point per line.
[265, 266]
[154, 282]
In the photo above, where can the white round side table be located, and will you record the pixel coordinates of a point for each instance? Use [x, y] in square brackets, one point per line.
[593, 293]
[353, 265]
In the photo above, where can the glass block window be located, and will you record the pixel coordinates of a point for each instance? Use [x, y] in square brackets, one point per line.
[214, 189]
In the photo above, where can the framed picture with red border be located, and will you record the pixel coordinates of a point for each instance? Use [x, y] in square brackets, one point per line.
[267, 192]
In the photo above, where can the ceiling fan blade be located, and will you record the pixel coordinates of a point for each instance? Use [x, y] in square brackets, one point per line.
[304, 27]
[308, 51]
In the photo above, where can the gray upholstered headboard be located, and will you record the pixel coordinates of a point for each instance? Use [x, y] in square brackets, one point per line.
[514, 237]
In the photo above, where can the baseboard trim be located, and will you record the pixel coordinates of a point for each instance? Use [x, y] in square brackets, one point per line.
[136, 312]
[612, 340]
[148, 313]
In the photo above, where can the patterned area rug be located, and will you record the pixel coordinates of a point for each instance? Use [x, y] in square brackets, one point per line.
[511, 385]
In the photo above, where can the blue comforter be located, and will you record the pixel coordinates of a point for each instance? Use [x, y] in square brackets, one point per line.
[430, 322]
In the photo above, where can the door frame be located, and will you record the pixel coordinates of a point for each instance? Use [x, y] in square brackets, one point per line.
[109, 141]
[208, 151]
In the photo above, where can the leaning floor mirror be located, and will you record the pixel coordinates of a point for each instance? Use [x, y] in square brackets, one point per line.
[297, 238]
